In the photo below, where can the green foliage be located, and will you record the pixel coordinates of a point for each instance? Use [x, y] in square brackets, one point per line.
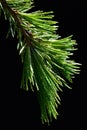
[20, 5]
[46, 57]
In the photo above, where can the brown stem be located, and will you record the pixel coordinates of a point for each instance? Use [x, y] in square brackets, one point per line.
[26, 34]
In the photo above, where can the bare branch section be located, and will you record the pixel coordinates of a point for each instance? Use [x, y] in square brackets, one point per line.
[14, 14]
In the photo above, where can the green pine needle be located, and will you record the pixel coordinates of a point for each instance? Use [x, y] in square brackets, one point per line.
[46, 57]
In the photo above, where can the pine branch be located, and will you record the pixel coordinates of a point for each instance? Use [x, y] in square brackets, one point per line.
[45, 56]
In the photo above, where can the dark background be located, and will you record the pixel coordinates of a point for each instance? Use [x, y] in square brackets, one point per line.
[20, 109]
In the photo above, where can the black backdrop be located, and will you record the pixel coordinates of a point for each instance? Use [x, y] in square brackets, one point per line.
[20, 109]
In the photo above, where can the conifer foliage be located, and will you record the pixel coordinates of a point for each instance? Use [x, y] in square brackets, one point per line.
[47, 66]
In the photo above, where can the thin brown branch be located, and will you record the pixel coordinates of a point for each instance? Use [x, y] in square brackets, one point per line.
[14, 14]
